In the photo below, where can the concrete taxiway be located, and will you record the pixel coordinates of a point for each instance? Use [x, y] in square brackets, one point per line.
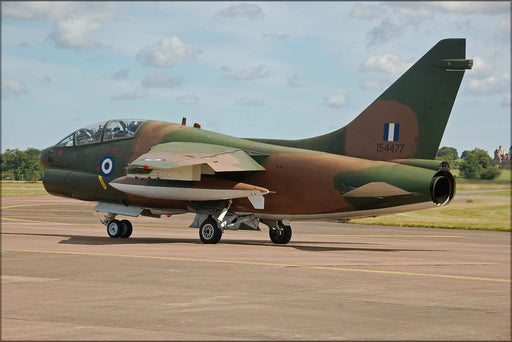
[64, 279]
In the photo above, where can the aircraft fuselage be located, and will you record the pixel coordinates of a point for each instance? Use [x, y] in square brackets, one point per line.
[302, 183]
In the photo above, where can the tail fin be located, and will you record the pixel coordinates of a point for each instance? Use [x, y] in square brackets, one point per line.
[408, 120]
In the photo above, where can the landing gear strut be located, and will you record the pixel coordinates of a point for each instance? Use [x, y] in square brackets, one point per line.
[212, 225]
[210, 230]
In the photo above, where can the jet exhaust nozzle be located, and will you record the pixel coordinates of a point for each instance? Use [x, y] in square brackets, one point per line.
[442, 188]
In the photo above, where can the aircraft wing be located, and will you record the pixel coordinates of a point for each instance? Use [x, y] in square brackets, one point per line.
[183, 163]
[187, 161]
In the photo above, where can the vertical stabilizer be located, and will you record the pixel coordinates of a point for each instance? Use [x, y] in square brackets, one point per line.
[408, 120]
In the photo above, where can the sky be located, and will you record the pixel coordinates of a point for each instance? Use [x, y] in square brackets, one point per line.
[284, 70]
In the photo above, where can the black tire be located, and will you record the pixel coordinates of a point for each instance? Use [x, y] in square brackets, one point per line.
[114, 229]
[209, 231]
[281, 237]
[126, 230]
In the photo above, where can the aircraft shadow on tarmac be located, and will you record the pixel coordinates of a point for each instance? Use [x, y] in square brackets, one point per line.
[307, 246]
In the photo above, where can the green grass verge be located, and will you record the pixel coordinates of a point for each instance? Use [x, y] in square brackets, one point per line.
[22, 188]
[19, 184]
[23, 192]
[503, 181]
[494, 193]
[479, 214]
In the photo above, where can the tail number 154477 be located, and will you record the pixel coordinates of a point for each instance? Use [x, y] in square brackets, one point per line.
[390, 147]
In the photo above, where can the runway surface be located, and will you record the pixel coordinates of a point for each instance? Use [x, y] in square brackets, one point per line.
[63, 278]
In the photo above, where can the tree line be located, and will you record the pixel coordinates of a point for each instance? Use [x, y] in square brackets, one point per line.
[474, 164]
[21, 165]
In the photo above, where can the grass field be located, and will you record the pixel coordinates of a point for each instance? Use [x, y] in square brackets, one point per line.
[22, 188]
[471, 214]
[503, 181]
[482, 211]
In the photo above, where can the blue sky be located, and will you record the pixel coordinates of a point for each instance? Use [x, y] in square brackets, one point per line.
[251, 69]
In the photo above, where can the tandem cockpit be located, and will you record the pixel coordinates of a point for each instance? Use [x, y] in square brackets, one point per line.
[102, 131]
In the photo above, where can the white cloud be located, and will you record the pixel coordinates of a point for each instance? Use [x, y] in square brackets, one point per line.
[248, 74]
[389, 63]
[188, 99]
[490, 85]
[384, 32]
[138, 93]
[413, 12]
[74, 33]
[401, 15]
[482, 67]
[74, 22]
[167, 53]
[370, 85]
[13, 88]
[162, 80]
[57, 10]
[249, 11]
[250, 102]
[472, 7]
[338, 100]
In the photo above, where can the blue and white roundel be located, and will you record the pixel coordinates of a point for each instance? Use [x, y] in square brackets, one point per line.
[107, 166]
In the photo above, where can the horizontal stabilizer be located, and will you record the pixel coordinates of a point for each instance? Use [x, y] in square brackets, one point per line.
[455, 64]
[376, 189]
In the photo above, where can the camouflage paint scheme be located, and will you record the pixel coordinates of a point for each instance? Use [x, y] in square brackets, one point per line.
[381, 162]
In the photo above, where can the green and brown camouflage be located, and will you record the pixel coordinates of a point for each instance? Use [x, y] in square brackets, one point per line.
[379, 163]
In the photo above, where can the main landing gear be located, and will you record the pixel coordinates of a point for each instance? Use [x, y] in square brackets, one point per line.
[280, 232]
[116, 228]
[212, 226]
[210, 230]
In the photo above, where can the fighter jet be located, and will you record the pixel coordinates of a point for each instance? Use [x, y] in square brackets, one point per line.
[380, 163]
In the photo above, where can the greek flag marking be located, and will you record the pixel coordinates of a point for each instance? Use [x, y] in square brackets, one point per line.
[391, 131]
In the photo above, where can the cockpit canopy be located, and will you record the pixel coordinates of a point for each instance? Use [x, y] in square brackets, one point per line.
[102, 131]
